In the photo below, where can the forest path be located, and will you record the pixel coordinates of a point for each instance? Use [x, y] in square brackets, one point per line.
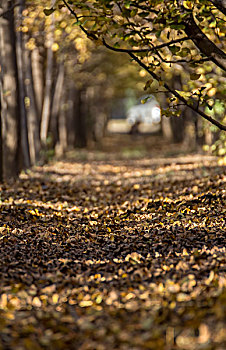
[103, 250]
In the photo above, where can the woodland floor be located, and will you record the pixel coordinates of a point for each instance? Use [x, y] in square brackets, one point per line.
[106, 250]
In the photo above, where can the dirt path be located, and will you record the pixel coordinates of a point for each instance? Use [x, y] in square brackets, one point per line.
[104, 251]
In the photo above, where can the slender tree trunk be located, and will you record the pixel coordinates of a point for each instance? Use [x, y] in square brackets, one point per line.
[47, 101]
[70, 114]
[166, 129]
[198, 124]
[62, 124]
[46, 110]
[80, 121]
[32, 111]
[2, 108]
[177, 123]
[9, 100]
[57, 101]
[1, 144]
[37, 75]
[21, 84]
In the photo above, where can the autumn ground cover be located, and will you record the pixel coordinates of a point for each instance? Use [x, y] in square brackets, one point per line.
[108, 250]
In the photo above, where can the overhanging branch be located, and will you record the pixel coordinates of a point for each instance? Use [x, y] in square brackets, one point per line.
[172, 91]
[158, 47]
[204, 59]
[167, 87]
[176, 94]
[203, 43]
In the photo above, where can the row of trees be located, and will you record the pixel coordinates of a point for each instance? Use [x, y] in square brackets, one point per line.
[57, 86]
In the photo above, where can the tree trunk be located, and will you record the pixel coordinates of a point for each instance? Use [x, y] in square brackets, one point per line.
[57, 101]
[47, 101]
[177, 123]
[177, 126]
[62, 125]
[1, 143]
[32, 111]
[9, 100]
[80, 121]
[2, 109]
[70, 114]
[37, 75]
[21, 85]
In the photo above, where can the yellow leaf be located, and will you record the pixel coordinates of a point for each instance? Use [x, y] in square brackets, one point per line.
[55, 47]
[55, 298]
[187, 4]
[99, 299]
[36, 302]
[86, 303]
[136, 186]
[212, 92]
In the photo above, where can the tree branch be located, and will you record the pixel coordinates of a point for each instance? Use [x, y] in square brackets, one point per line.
[88, 34]
[167, 87]
[203, 43]
[220, 5]
[176, 94]
[117, 49]
[158, 47]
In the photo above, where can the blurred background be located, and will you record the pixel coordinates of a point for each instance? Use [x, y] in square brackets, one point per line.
[60, 92]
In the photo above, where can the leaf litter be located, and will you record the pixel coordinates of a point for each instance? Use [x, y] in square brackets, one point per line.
[114, 253]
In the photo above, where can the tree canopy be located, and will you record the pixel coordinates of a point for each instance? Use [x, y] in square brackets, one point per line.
[164, 38]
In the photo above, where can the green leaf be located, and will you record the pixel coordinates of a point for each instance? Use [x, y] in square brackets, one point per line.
[158, 33]
[78, 23]
[127, 4]
[184, 52]
[133, 13]
[174, 49]
[195, 76]
[148, 83]
[146, 99]
[48, 12]
[126, 37]
[177, 26]
[143, 14]
[116, 45]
